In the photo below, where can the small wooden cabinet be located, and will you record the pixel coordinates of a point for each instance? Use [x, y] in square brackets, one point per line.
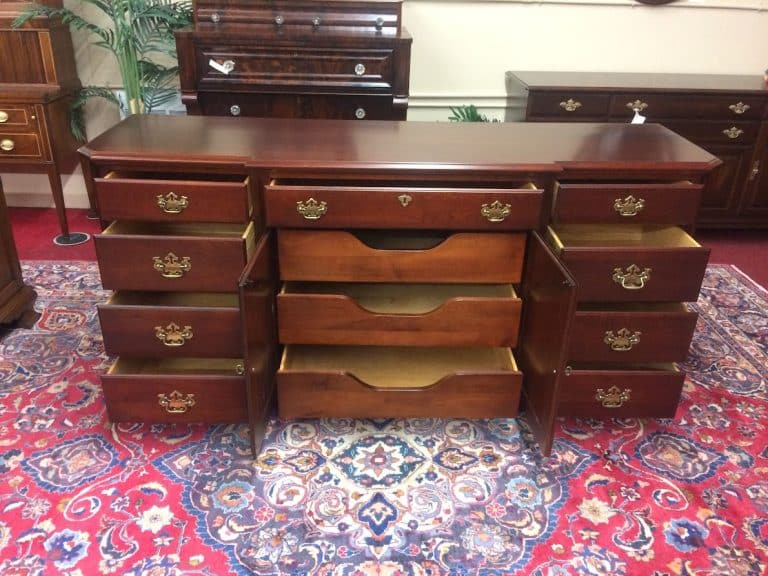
[38, 81]
[16, 298]
[395, 269]
[344, 59]
[726, 115]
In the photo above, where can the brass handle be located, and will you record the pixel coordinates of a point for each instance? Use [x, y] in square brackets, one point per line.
[613, 398]
[171, 266]
[637, 105]
[739, 107]
[176, 402]
[7, 145]
[311, 209]
[240, 368]
[733, 132]
[3, 116]
[629, 206]
[172, 203]
[404, 199]
[755, 170]
[623, 340]
[360, 113]
[173, 335]
[633, 278]
[570, 105]
[495, 212]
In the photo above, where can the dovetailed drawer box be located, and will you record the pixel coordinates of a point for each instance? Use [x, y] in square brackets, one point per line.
[371, 205]
[152, 325]
[173, 257]
[402, 382]
[166, 198]
[183, 390]
[398, 314]
[340, 256]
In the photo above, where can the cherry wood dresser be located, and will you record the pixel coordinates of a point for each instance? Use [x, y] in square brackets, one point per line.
[345, 59]
[395, 269]
[726, 115]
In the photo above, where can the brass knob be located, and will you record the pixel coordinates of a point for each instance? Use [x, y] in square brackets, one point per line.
[359, 69]
[234, 110]
[176, 402]
[311, 209]
[733, 132]
[629, 206]
[570, 105]
[633, 278]
[637, 105]
[279, 20]
[379, 23]
[215, 17]
[739, 107]
[7, 145]
[613, 398]
[316, 21]
[360, 113]
[3, 116]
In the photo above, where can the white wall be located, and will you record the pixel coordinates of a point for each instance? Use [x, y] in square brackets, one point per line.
[462, 49]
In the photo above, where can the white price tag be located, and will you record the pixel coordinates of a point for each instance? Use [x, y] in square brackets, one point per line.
[219, 67]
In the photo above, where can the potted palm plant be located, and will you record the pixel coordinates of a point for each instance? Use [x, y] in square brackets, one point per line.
[140, 35]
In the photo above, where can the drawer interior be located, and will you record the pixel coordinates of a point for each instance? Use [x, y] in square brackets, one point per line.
[187, 299]
[401, 298]
[178, 229]
[420, 185]
[160, 177]
[397, 367]
[668, 367]
[177, 366]
[645, 307]
[610, 235]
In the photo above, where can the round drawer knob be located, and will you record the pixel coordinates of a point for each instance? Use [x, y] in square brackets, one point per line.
[279, 20]
[7, 145]
[234, 110]
[379, 23]
[3, 116]
[360, 113]
[316, 21]
[359, 68]
[228, 66]
[215, 17]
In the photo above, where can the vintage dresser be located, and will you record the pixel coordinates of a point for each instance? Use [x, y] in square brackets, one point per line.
[346, 59]
[726, 115]
[395, 269]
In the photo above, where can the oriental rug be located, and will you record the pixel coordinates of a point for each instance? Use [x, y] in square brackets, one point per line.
[80, 496]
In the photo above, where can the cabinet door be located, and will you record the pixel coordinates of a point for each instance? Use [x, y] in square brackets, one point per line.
[755, 204]
[720, 199]
[549, 303]
[257, 309]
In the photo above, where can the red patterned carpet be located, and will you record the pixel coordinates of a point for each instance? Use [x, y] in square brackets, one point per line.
[80, 497]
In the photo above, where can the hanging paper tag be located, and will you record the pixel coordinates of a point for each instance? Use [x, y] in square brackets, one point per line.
[638, 118]
[218, 67]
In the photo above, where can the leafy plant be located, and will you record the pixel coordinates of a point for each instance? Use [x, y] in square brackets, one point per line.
[467, 113]
[140, 34]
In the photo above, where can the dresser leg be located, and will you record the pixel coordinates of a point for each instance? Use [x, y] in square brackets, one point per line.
[66, 238]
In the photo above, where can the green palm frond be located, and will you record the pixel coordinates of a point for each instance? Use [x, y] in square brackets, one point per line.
[468, 113]
[76, 122]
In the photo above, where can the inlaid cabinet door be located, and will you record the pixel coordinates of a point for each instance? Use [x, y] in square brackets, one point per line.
[756, 202]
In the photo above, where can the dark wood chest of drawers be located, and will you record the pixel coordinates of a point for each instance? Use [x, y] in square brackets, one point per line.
[726, 115]
[343, 59]
[395, 269]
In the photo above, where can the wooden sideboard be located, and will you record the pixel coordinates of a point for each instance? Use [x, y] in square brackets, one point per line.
[345, 59]
[395, 269]
[724, 114]
[16, 297]
[38, 81]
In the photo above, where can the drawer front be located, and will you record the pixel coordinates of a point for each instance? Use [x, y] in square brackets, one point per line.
[370, 69]
[197, 263]
[172, 200]
[652, 335]
[140, 330]
[639, 393]
[323, 206]
[20, 146]
[398, 315]
[567, 105]
[296, 105]
[338, 256]
[716, 131]
[463, 388]
[143, 396]
[15, 116]
[675, 203]
[669, 106]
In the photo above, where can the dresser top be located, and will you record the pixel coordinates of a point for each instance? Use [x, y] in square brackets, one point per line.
[645, 81]
[392, 146]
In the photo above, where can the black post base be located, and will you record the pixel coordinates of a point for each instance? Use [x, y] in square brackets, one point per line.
[71, 239]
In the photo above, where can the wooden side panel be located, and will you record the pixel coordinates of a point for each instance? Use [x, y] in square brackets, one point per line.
[549, 302]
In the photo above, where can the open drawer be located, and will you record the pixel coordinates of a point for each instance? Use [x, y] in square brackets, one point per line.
[398, 314]
[408, 382]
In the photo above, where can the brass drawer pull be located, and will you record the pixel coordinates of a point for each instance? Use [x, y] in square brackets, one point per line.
[404, 199]
[614, 398]
[633, 278]
[360, 113]
[172, 266]
[172, 203]
[3, 116]
[311, 209]
[359, 69]
[176, 402]
[173, 335]
[240, 368]
[570, 105]
[495, 212]
[755, 170]
[739, 107]
[733, 132]
[629, 206]
[637, 105]
[623, 340]
[7, 145]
